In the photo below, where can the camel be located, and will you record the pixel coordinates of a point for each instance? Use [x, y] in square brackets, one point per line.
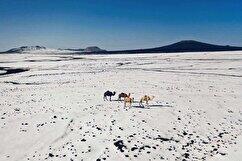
[123, 95]
[129, 100]
[108, 94]
[146, 99]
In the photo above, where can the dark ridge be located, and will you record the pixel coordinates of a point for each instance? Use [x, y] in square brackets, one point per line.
[12, 70]
[70, 49]
[194, 46]
[17, 83]
[182, 46]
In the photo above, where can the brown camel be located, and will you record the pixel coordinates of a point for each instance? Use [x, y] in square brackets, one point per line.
[123, 95]
[146, 99]
[128, 100]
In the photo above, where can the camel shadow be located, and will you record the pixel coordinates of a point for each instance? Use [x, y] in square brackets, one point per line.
[116, 100]
[152, 106]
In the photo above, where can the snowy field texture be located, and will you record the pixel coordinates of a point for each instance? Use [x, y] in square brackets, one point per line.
[52, 107]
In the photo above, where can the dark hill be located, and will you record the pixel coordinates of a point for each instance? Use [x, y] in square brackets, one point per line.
[182, 46]
[194, 46]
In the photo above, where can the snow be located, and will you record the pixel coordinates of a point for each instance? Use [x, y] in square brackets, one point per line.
[49, 51]
[55, 110]
[39, 50]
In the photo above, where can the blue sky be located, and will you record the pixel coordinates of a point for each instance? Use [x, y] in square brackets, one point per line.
[118, 24]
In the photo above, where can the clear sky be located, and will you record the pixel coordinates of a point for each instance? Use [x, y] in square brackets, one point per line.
[118, 24]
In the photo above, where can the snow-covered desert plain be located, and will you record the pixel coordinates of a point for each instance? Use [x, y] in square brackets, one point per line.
[52, 108]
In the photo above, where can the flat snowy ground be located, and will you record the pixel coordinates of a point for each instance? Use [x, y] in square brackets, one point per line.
[52, 108]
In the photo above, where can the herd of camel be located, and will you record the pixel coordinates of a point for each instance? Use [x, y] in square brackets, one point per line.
[127, 98]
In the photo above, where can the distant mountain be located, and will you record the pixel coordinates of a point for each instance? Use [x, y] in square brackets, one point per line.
[40, 50]
[69, 49]
[91, 49]
[86, 50]
[44, 50]
[194, 46]
[182, 46]
[23, 49]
